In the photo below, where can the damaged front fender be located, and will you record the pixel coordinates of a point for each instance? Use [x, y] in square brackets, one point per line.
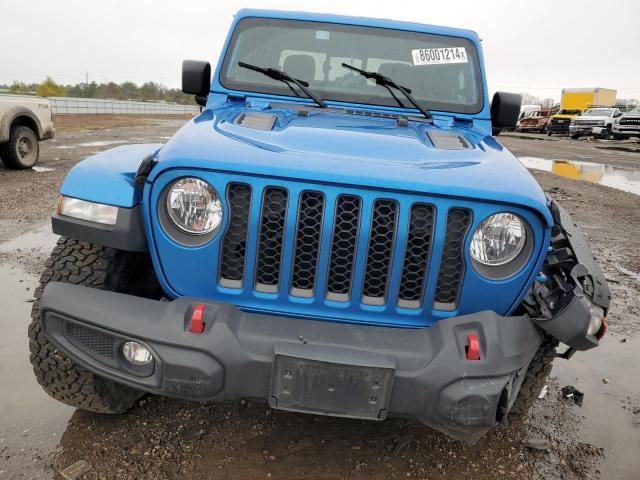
[573, 297]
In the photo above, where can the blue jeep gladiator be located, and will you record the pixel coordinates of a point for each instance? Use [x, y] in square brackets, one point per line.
[336, 233]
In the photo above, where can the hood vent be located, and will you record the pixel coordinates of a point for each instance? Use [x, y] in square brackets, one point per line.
[255, 120]
[449, 141]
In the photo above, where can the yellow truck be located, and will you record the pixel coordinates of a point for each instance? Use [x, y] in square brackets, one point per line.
[574, 101]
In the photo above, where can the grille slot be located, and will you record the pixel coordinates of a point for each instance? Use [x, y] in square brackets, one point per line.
[233, 251]
[97, 342]
[271, 239]
[307, 246]
[380, 251]
[343, 247]
[417, 254]
[452, 262]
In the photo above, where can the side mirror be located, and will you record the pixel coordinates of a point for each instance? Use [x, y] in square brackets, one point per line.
[196, 79]
[505, 109]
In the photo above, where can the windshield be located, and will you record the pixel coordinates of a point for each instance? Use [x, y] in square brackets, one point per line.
[598, 112]
[443, 73]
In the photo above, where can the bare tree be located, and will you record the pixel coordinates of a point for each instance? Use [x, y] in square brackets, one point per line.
[528, 99]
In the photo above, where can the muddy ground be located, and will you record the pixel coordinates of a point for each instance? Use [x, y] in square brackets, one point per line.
[162, 438]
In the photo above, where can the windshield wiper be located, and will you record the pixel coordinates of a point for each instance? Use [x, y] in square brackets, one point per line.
[276, 74]
[387, 82]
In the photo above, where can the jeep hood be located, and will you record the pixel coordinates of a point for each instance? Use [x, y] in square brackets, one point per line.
[340, 148]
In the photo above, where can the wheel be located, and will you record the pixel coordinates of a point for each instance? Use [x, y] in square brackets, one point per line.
[548, 133]
[537, 373]
[606, 135]
[81, 263]
[617, 136]
[575, 136]
[22, 149]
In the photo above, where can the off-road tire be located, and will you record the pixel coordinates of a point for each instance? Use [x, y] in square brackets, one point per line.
[22, 150]
[537, 373]
[80, 263]
[574, 136]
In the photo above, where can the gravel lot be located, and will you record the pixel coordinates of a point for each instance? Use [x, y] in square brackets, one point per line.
[167, 439]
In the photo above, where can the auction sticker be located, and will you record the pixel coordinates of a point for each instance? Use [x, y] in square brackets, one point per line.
[438, 56]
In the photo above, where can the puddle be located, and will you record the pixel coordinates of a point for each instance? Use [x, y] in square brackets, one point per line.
[98, 143]
[618, 178]
[31, 422]
[611, 411]
[40, 240]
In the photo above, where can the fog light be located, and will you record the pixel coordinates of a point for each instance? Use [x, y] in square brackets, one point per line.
[136, 353]
[597, 314]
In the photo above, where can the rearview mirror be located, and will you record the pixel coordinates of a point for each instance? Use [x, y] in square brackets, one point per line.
[196, 79]
[505, 109]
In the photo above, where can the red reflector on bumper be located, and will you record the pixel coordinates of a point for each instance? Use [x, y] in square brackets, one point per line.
[197, 319]
[473, 347]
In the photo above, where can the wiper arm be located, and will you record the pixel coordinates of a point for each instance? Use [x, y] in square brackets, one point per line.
[387, 82]
[276, 74]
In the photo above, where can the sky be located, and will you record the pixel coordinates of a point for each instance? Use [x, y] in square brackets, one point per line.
[538, 47]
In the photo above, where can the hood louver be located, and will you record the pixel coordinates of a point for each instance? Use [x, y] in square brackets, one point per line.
[257, 121]
[449, 141]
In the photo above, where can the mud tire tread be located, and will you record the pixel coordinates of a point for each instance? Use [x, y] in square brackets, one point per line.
[79, 263]
[534, 380]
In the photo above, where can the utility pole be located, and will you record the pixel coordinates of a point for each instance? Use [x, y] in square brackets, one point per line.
[86, 78]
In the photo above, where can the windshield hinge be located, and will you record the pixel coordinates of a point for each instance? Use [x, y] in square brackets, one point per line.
[236, 97]
[463, 121]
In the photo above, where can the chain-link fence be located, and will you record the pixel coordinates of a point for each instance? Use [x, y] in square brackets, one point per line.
[93, 106]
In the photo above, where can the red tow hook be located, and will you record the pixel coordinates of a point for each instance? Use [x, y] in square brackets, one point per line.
[473, 347]
[197, 319]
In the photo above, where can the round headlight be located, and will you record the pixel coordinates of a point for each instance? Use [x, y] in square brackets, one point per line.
[194, 206]
[498, 240]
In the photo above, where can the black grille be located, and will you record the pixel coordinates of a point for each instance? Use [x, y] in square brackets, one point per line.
[452, 262]
[343, 247]
[233, 251]
[381, 240]
[272, 223]
[96, 341]
[630, 121]
[417, 254]
[308, 232]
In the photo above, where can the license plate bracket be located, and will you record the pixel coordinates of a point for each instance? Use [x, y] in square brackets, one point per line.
[331, 383]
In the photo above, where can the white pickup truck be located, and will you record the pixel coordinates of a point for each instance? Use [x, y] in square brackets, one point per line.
[24, 121]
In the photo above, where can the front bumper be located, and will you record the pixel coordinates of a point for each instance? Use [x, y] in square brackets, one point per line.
[531, 128]
[584, 129]
[555, 128]
[302, 365]
[631, 130]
